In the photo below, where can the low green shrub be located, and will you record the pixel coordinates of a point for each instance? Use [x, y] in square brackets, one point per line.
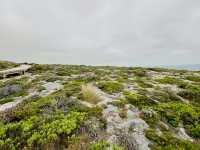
[73, 88]
[119, 103]
[166, 141]
[143, 84]
[111, 86]
[139, 72]
[38, 69]
[36, 132]
[103, 145]
[10, 97]
[5, 100]
[151, 119]
[97, 112]
[164, 95]
[176, 112]
[194, 129]
[193, 78]
[170, 80]
[191, 93]
[7, 65]
[63, 125]
[63, 71]
[138, 100]
[100, 145]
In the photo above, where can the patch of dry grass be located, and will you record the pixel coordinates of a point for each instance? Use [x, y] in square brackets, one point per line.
[90, 94]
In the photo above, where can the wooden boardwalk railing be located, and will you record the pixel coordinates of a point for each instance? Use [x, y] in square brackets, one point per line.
[17, 70]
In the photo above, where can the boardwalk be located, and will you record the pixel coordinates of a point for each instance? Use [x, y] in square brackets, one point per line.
[17, 70]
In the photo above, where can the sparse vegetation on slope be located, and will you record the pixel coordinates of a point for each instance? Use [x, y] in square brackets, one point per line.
[7, 65]
[68, 107]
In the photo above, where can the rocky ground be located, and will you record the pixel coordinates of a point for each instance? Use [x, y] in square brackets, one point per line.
[65, 107]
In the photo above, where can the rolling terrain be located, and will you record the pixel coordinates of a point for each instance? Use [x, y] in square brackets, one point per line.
[69, 107]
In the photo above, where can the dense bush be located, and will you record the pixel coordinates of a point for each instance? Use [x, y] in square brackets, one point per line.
[37, 68]
[164, 95]
[176, 112]
[9, 89]
[7, 65]
[62, 121]
[193, 78]
[111, 87]
[37, 132]
[73, 88]
[140, 72]
[13, 88]
[142, 83]
[166, 141]
[119, 103]
[138, 100]
[170, 80]
[191, 93]
[103, 145]
[150, 117]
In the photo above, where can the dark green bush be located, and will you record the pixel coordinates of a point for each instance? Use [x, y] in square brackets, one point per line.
[140, 72]
[170, 80]
[164, 95]
[194, 129]
[37, 68]
[176, 112]
[119, 103]
[111, 87]
[103, 145]
[7, 65]
[193, 78]
[151, 119]
[36, 132]
[191, 93]
[143, 84]
[166, 141]
[138, 100]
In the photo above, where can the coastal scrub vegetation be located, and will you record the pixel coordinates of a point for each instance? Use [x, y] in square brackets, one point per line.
[78, 107]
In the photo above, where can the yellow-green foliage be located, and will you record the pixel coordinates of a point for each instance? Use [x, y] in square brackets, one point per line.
[73, 88]
[142, 83]
[140, 72]
[191, 93]
[50, 122]
[166, 141]
[7, 65]
[138, 99]
[193, 78]
[91, 94]
[171, 80]
[37, 68]
[119, 103]
[38, 131]
[103, 145]
[165, 95]
[21, 85]
[176, 112]
[111, 86]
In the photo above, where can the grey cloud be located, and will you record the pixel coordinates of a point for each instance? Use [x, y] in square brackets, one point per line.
[115, 32]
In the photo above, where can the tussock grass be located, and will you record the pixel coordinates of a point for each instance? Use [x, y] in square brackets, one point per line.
[90, 94]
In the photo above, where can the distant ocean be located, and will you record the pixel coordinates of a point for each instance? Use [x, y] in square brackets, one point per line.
[187, 67]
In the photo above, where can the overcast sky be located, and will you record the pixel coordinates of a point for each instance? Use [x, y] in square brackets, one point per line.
[101, 32]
